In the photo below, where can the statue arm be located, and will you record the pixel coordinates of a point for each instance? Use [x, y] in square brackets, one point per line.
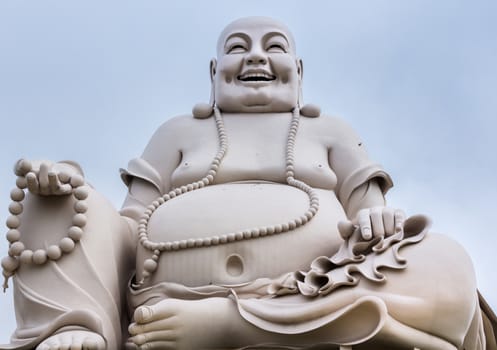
[361, 186]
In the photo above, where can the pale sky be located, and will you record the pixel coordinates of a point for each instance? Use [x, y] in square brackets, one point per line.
[90, 81]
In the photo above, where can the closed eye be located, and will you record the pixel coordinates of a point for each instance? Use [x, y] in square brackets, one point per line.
[236, 49]
[276, 48]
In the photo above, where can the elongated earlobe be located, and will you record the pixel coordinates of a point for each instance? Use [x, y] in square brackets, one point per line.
[205, 110]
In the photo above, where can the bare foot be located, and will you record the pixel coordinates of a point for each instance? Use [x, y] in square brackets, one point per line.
[73, 340]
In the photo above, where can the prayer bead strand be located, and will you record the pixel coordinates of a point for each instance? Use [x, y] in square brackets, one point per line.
[18, 253]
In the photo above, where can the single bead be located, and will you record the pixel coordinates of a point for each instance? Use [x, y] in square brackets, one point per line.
[277, 228]
[79, 220]
[168, 246]
[263, 231]
[215, 240]
[175, 245]
[21, 182]
[77, 180]
[211, 173]
[230, 237]
[166, 197]
[177, 191]
[255, 232]
[64, 177]
[81, 193]
[285, 227]
[190, 243]
[67, 245]
[184, 189]
[80, 207]
[17, 194]
[39, 257]
[160, 200]
[16, 248]
[155, 204]
[239, 235]
[198, 242]
[246, 234]
[150, 265]
[10, 263]
[22, 166]
[205, 242]
[223, 239]
[13, 222]
[292, 225]
[13, 235]
[189, 187]
[308, 215]
[54, 252]
[184, 243]
[270, 230]
[75, 233]
[209, 178]
[26, 257]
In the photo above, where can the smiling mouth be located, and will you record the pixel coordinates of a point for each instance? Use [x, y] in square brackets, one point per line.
[256, 77]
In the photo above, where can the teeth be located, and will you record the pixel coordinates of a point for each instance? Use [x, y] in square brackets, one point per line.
[256, 76]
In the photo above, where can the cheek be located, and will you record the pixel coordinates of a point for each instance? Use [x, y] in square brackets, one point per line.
[285, 68]
[228, 69]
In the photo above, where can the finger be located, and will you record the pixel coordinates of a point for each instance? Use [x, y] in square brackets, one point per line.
[345, 228]
[146, 314]
[43, 178]
[389, 221]
[365, 224]
[162, 335]
[53, 182]
[159, 345]
[163, 324]
[376, 217]
[399, 218]
[32, 183]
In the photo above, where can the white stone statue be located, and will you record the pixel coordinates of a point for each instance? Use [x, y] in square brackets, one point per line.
[254, 223]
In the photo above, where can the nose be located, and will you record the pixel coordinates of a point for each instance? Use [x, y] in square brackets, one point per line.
[256, 57]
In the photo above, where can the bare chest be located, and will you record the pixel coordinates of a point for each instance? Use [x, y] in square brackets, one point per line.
[257, 150]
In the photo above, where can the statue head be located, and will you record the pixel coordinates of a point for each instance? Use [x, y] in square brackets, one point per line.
[256, 68]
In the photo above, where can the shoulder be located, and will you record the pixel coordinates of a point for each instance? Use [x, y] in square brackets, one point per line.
[333, 127]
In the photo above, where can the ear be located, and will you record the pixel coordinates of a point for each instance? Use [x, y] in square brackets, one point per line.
[212, 69]
[300, 68]
[300, 72]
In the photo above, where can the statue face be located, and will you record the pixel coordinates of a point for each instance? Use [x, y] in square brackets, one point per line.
[256, 70]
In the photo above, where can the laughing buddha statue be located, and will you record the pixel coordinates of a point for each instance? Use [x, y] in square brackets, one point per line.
[253, 223]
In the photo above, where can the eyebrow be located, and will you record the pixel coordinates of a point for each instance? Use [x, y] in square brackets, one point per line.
[236, 35]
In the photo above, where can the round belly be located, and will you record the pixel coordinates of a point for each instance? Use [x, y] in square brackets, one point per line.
[221, 209]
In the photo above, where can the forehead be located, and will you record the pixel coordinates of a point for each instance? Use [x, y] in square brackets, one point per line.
[254, 28]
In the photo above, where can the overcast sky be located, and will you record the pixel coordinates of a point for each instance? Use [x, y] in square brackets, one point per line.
[91, 80]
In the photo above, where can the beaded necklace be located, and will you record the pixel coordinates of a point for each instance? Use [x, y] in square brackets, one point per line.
[151, 264]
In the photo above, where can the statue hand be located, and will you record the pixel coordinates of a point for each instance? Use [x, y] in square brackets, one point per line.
[374, 222]
[48, 179]
[178, 324]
